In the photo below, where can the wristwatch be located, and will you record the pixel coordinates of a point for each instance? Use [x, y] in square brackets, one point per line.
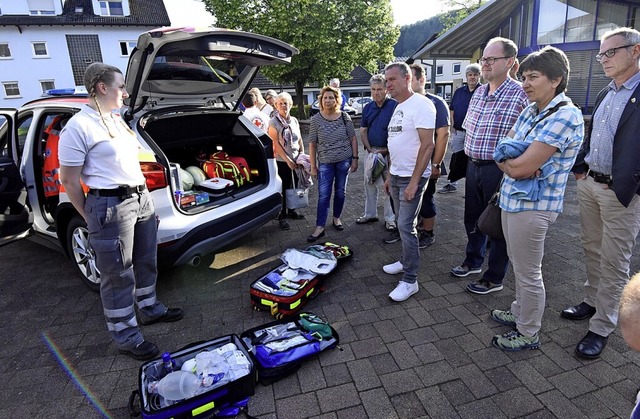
[437, 166]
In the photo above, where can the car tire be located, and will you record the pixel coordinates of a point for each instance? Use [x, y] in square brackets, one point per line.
[81, 253]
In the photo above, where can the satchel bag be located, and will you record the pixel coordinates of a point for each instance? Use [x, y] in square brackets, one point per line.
[297, 198]
[490, 221]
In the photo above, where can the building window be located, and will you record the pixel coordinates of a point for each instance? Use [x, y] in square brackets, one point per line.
[11, 89]
[40, 50]
[41, 7]
[47, 84]
[111, 8]
[456, 68]
[126, 47]
[581, 18]
[610, 16]
[551, 21]
[439, 70]
[5, 51]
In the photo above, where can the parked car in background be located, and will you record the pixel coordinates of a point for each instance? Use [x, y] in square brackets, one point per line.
[181, 84]
[359, 104]
[315, 108]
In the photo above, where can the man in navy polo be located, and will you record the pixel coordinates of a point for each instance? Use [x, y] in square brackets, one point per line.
[458, 110]
[373, 133]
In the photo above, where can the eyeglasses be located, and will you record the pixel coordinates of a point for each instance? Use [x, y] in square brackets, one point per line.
[611, 52]
[490, 60]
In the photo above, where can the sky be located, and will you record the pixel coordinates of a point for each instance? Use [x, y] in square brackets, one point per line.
[193, 13]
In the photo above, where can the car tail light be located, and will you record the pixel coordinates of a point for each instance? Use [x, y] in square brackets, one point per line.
[155, 175]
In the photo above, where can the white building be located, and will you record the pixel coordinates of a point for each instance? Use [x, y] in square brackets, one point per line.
[46, 44]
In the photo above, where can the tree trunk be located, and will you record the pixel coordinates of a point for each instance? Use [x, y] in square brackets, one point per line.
[299, 102]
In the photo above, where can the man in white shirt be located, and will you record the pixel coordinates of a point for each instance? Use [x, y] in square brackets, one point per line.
[411, 145]
[255, 115]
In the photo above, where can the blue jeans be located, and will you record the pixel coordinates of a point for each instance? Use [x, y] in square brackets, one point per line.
[407, 215]
[330, 174]
[123, 235]
[481, 183]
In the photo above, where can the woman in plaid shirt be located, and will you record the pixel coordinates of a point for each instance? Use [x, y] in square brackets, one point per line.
[536, 158]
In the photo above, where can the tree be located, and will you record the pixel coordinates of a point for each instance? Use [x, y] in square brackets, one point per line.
[463, 8]
[333, 36]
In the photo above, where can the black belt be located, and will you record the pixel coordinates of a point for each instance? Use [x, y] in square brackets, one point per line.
[480, 162]
[122, 191]
[600, 177]
[460, 129]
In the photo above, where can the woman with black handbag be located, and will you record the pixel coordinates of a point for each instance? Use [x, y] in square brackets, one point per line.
[536, 158]
[284, 131]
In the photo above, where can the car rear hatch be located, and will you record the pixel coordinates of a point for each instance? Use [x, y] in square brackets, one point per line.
[172, 67]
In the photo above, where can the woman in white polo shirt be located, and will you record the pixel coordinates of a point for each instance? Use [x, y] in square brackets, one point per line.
[97, 147]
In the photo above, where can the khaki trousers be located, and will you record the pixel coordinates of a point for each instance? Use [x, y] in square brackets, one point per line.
[609, 231]
[525, 232]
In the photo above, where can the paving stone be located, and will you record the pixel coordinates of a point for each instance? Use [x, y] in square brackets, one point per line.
[388, 331]
[450, 329]
[401, 382]
[436, 403]
[310, 376]
[483, 408]
[436, 373]
[378, 405]
[563, 358]
[368, 347]
[463, 315]
[502, 378]
[336, 356]
[421, 316]
[365, 331]
[428, 353]
[614, 401]
[364, 375]
[545, 366]
[286, 387]
[566, 383]
[405, 323]
[469, 343]
[522, 402]
[408, 405]
[420, 336]
[403, 354]
[452, 352]
[384, 363]
[338, 397]
[355, 412]
[363, 317]
[530, 377]
[477, 382]
[336, 374]
[600, 373]
[562, 407]
[296, 407]
[263, 401]
[592, 407]
[330, 415]
[490, 358]
[457, 392]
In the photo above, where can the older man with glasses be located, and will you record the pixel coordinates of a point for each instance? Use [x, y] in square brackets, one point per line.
[493, 111]
[608, 183]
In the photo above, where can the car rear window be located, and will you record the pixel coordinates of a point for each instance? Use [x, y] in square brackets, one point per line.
[215, 69]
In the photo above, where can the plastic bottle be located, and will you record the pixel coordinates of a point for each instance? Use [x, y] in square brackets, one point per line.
[178, 385]
[167, 363]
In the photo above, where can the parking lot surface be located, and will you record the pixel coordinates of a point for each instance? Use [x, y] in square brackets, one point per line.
[427, 357]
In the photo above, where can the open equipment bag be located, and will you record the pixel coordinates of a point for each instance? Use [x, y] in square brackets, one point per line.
[284, 290]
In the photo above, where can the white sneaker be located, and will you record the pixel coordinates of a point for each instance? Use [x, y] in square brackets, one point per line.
[403, 291]
[393, 268]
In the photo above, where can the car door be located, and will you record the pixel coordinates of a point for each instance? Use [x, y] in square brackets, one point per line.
[15, 219]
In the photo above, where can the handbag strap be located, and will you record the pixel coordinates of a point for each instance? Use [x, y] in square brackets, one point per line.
[548, 114]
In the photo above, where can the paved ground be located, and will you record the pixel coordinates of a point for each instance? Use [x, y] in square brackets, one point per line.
[429, 356]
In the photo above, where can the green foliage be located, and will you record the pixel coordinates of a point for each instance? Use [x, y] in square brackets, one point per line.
[333, 36]
[463, 8]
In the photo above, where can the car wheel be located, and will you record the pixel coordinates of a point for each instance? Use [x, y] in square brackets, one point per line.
[81, 253]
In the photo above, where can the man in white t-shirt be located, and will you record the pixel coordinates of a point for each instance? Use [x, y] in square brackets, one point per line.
[255, 115]
[410, 144]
